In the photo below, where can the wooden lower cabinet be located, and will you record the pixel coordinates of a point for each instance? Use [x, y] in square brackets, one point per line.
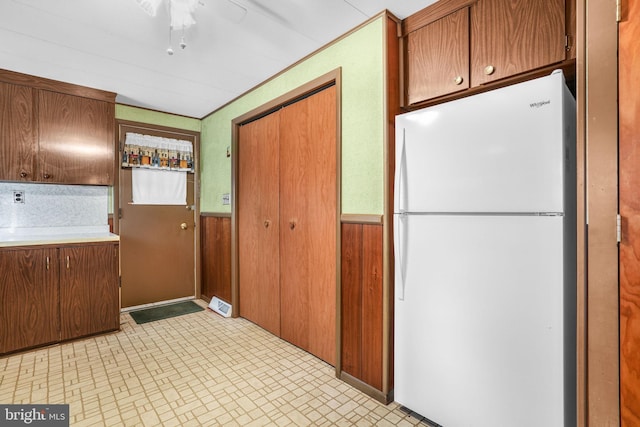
[28, 298]
[56, 293]
[89, 299]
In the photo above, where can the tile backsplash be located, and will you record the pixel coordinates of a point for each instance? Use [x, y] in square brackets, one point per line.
[50, 205]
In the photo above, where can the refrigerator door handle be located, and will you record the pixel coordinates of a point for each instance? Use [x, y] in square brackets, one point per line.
[401, 177]
[400, 247]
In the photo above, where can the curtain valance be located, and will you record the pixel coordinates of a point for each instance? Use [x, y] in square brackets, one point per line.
[148, 151]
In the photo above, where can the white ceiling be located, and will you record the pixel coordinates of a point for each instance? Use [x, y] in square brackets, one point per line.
[114, 45]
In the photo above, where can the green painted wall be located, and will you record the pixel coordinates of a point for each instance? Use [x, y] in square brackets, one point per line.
[360, 55]
[134, 114]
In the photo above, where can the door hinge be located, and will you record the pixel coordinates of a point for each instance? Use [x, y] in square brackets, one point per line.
[618, 10]
[120, 281]
[618, 228]
[119, 213]
[567, 42]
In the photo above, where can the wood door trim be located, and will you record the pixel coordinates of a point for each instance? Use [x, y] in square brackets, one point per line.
[328, 79]
[216, 214]
[597, 271]
[361, 219]
[333, 77]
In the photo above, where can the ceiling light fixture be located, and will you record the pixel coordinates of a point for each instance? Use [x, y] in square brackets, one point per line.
[180, 15]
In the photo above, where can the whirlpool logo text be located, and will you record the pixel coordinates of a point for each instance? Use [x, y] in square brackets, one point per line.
[540, 104]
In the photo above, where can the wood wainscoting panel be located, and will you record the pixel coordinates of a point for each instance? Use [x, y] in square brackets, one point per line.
[629, 134]
[362, 304]
[351, 295]
[215, 253]
[372, 305]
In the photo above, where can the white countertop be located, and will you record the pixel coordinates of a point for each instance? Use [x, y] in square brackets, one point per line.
[55, 235]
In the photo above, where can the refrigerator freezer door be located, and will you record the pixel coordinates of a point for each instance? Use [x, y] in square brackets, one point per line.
[499, 151]
[479, 333]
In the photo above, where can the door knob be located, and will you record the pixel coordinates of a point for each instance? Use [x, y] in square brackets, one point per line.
[184, 226]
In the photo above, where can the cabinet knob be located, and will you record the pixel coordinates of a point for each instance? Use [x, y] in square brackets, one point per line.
[489, 69]
[458, 80]
[46, 176]
[184, 225]
[267, 223]
[292, 225]
[23, 174]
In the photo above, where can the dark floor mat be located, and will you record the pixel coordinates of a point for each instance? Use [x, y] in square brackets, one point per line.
[164, 312]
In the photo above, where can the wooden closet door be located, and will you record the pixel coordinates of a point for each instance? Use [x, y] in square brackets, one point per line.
[308, 221]
[258, 225]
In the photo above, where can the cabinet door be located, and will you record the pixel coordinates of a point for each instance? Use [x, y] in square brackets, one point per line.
[438, 58]
[105, 288]
[258, 226]
[76, 139]
[29, 313]
[511, 37]
[89, 290]
[17, 139]
[308, 224]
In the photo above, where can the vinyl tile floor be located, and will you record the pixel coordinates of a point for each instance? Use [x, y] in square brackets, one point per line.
[198, 369]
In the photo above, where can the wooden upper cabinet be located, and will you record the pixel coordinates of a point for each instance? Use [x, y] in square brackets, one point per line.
[513, 36]
[438, 57]
[18, 145]
[454, 45]
[76, 139]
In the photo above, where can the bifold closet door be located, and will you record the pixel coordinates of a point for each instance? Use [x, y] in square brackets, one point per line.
[258, 218]
[308, 224]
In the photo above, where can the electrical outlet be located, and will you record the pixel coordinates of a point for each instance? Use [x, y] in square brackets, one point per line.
[18, 196]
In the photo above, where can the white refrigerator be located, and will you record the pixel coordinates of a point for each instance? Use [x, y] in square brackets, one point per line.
[484, 245]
